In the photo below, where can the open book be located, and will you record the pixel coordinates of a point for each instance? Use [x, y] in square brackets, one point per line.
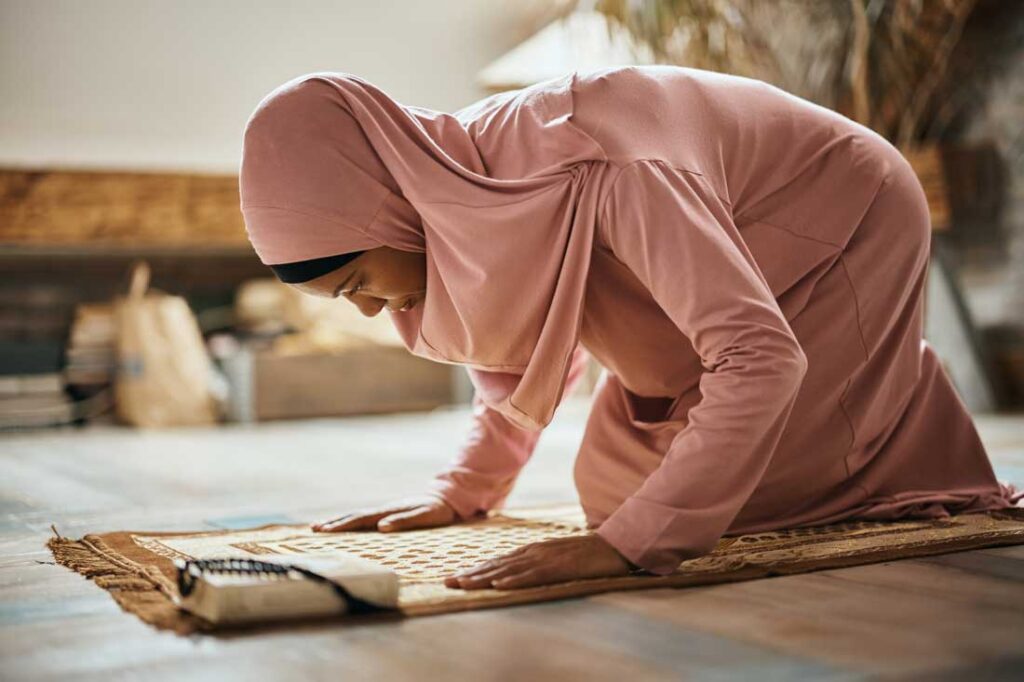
[232, 590]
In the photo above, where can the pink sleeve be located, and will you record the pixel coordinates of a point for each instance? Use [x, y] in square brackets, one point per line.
[482, 474]
[677, 236]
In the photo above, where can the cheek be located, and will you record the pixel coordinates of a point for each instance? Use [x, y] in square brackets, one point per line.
[397, 285]
[416, 281]
[417, 277]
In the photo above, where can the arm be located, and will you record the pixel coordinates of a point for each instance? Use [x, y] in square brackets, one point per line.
[672, 231]
[483, 472]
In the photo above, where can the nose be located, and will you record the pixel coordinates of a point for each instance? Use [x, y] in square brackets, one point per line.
[370, 307]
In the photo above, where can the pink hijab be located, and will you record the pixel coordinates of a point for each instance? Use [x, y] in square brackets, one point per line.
[501, 197]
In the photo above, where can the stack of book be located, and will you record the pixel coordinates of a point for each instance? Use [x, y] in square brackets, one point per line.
[34, 400]
[90, 356]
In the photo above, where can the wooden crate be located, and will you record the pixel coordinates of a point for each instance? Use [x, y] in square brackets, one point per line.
[368, 380]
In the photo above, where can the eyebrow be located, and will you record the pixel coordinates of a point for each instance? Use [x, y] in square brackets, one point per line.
[337, 290]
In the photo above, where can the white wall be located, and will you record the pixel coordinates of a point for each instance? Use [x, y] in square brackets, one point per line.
[169, 84]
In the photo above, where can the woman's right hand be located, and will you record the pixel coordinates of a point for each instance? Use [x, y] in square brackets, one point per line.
[408, 514]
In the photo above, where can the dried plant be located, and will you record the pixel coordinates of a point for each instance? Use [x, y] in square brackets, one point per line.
[707, 34]
[905, 56]
[880, 62]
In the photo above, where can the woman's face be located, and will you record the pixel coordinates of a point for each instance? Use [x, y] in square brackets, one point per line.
[380, 277]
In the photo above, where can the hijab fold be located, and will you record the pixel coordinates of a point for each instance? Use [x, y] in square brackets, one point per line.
[501, 196]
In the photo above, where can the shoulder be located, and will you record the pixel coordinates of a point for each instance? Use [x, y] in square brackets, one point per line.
[649, 192]
[625, 109]
[681, 115]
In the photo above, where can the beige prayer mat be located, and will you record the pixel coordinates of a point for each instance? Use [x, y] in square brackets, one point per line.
[137, 569]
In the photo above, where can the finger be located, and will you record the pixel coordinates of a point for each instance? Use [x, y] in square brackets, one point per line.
[354, 521]
[517, 553]
[528, 578]
[483, 580]
[349, 522]
[367, 518]
[318, 525]
[420, 517]
[485, 566]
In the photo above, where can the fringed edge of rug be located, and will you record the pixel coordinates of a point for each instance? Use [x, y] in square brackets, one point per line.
[146, 591]
[131, 586]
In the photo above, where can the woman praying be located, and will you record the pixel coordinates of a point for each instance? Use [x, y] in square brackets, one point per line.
[748, 267]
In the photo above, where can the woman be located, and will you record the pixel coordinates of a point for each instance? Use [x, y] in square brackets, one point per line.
[748, 267]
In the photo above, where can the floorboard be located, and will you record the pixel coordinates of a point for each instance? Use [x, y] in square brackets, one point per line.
[954, 616]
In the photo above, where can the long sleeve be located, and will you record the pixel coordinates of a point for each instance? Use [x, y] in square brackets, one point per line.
[678, 237]
[484, 471]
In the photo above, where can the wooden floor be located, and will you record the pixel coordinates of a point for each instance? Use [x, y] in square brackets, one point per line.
[958, 616]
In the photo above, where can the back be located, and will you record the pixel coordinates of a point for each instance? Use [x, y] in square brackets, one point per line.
[772, 156]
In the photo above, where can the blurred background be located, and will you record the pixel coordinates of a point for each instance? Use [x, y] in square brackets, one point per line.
[153, 377]
[129, 293]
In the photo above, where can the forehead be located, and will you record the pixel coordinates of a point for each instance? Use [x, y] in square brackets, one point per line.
[327, 283]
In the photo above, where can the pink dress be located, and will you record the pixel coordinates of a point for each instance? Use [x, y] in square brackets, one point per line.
[729, 226]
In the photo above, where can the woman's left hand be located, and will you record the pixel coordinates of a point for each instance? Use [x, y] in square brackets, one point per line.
[541, 563]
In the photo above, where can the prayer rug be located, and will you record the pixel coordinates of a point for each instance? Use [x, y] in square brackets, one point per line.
[137, 569]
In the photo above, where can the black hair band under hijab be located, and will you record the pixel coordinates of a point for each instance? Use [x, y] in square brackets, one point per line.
[305, 270]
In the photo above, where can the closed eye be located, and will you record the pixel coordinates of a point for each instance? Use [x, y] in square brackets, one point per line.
[339, 290]
[354, 290]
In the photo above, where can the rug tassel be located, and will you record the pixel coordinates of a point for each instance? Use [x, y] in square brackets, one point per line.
[81, 559]
[132, 592]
